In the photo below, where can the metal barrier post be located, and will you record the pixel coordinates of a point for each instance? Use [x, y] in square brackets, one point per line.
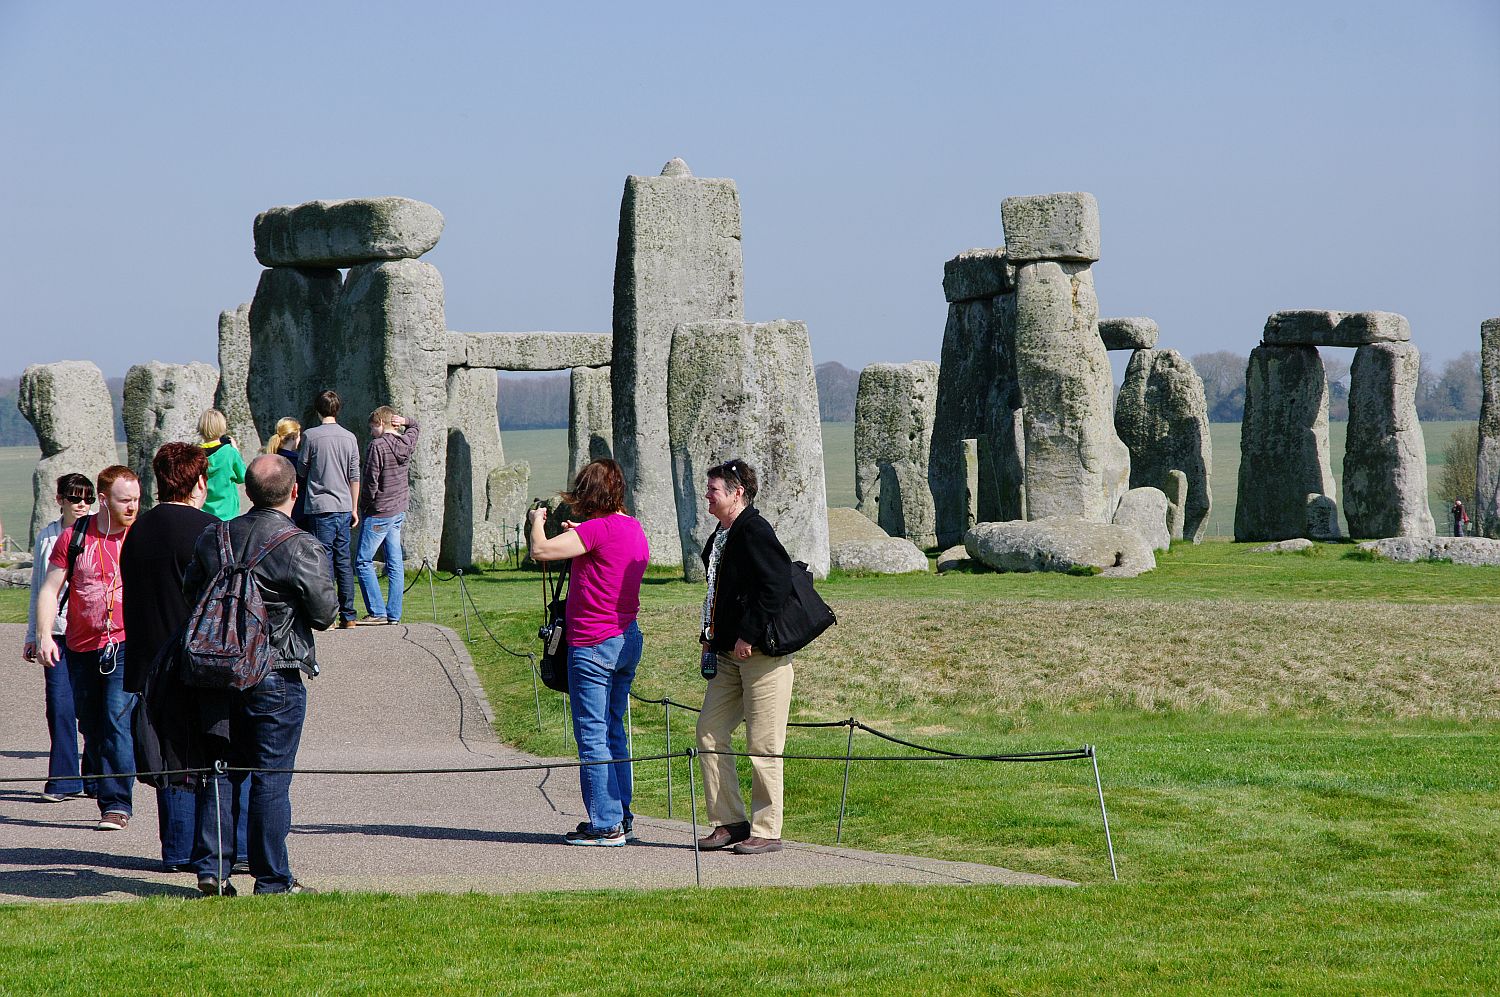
[667, 716]
[219, 825]
[844, 797]
[536, 693]
[463, 601]
[1094, 757]
[692, 753]
[630, 740]
[431, 592]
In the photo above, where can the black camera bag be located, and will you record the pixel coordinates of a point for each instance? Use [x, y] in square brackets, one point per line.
[802, 619]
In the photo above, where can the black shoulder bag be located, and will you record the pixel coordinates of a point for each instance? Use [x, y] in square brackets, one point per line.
[553, 666]
[802, 619]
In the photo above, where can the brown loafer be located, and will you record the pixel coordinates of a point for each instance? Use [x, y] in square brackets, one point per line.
[724, 836]
[757, 846]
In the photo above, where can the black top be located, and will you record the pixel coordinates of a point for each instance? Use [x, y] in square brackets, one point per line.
[295, 456]
[153, 561]
[754, 580]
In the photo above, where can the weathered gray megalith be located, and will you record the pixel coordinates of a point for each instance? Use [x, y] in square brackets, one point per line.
[590, 422]
[529, 350]
[1075, 463]
[1060, 543]
[1487, 500]
[162, 404]
[1385, 459]
[845, 525]
[474, 451]
[390, 347]
[1322, 517]
[888, 556]
[1145, 511]
[291, 337]
[1480, 552]
[1161, 415]
[906, 503]
[1296, 545]
[678, 260]
[893, 414]
[232, 395]
[1283, 443]
[1128, 333]
[976, 461]
[346, 233]
[748, 391]
[1310, 327]
[508, 496]
[1176, 489]
[1051, 227]
[68, 405]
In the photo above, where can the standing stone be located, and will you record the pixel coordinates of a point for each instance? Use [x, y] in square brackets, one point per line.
[1322, 517]
[1075, 464]
[390, 348]
[162, 404]
[1486, 515]
[590, 418]
[893, 415]
[678, 261]
[232, 395]
[1385, 460]
[291, 336]
[1176, 489]
[1145, 510]
[906, 503]
[346, 233]
[69, 407]
[1162, 417]
[977, 399]
[1283, 443]
[507, 497]
[747, 390]
[474, 451]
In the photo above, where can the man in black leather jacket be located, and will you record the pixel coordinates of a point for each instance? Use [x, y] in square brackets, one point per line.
[261, 727]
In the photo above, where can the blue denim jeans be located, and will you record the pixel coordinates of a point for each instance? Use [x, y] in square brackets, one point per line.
[104, 710]
[62, 728]
[378, 533]
[332, 530]
[599, 680]
[265, 730]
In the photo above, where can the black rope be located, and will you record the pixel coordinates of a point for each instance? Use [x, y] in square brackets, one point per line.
[498, 643]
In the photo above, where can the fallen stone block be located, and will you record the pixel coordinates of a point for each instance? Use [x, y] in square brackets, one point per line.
[891, 556]
[1128, 333]
[953, 559]
[1145, 511]
[845, 525]
[1473, 551]
[1051, 227]
[1291, 546]
[1310, 327]
[1060, 543]
[346, 233]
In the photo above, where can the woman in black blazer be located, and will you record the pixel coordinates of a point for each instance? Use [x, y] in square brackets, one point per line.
[749, 579]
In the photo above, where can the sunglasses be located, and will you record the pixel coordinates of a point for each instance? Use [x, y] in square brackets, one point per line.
[75, 498]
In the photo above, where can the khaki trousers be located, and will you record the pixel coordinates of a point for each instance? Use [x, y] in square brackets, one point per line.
[758, 691]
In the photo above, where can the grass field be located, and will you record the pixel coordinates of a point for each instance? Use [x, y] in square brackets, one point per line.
[547, 451]
[1297, 753]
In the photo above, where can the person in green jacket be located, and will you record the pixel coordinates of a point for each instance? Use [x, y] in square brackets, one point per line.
[226, 468]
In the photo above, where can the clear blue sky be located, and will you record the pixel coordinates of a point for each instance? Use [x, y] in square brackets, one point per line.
[1246, 158]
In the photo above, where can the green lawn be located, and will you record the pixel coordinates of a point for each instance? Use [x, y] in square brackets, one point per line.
[1297, 755]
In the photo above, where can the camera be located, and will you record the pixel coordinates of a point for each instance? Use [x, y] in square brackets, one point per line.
[551, 635]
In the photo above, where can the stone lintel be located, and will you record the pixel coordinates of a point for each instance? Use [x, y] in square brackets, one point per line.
[1311, 327]
[978, 273]
[1128, 333]
[529, 350]
[1051, 227]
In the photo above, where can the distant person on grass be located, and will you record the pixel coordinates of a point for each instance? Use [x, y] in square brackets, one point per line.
[609, 554]
[749, 580]
[384, 496]
[226, 468]
[261, 727]
[330, 481]
[75, 496]
[95, 637]
[1460, 519]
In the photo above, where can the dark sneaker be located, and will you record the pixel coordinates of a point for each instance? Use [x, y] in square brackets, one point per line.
[114, 821]
[210, 886]
[757, 846]
[373, 621]
[630, 834]
[299, 887]
[724, 836]
[584, 835]
[61, 797]
[177, 867]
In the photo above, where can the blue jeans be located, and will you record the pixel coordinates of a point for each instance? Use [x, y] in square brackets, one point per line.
[377, 533]
[177, 819]
[62, 728]
[265, 730]
[599, 680]
[104, 711]
[332, 530]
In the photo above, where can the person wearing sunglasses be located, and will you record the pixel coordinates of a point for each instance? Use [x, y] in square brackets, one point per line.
[75, 497]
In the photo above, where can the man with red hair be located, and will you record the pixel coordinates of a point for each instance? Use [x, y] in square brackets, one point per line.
[96, 635]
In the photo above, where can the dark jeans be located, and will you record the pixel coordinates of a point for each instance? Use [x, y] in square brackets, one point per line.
[177, 818]
[265, 727]
[62, 728]
[104, 710]
[332, 530]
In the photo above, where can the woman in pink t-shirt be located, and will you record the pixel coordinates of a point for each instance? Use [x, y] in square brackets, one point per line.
[609, 554]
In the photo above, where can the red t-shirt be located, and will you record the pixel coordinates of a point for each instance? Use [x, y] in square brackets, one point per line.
[96, 612]
[604, 585]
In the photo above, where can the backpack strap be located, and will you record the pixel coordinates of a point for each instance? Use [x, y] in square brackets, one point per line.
[75, 551]
[271, 544]
[226, 552]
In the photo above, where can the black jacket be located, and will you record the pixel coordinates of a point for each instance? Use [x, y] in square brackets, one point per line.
[754, 581]
[296, 582]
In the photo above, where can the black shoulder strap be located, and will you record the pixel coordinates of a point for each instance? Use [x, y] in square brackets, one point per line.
[75, 551]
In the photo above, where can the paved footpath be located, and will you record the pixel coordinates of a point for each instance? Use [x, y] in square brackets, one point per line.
[395, 697]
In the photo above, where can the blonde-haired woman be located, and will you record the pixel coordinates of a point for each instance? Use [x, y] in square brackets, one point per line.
[226, 469]
[287, 442]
